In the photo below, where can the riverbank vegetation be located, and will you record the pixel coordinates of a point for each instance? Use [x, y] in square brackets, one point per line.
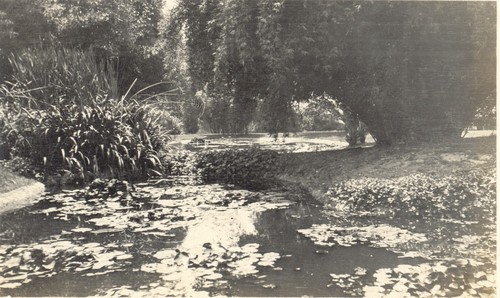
[98, 101]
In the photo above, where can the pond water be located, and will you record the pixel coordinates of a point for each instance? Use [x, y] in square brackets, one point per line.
[179, 238]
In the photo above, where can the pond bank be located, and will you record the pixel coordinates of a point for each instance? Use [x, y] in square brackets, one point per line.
[20, 197]
[316, 172]
[16, 191]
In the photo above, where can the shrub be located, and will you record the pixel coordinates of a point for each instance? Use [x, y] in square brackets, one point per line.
[59, 113]
[240, 167]
[463, 195]
[318, 114]
[115, 139]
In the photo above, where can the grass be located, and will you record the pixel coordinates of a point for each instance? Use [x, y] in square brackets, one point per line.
[317, 171]
[10, 181]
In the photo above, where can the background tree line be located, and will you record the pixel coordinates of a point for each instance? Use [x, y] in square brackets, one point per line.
[408, 70]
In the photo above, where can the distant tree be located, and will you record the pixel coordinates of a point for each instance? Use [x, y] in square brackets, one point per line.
[22, 24]
[408, 70]
[412, 69]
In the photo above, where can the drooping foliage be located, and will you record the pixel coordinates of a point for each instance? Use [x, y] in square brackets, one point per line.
[61, 114]
[409, 70]
[412, 69]
[223, 54]
[115, 139]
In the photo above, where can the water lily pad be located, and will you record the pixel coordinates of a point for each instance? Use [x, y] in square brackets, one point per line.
[166, 254]
[81, 230]
[10, 285]
[124, 257]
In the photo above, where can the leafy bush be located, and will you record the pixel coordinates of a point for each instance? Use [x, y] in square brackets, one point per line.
[59, 113]
[461, 196]
[180, 163]
[318, 114]
[240, 167]
[115, 139]
[166, 120]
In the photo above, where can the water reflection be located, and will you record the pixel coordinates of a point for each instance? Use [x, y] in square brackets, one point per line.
[195, 240]
[222, 229]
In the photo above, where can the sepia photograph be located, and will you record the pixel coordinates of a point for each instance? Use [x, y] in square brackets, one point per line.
[248, 148]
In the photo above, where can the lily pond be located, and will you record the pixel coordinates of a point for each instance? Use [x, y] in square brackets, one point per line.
[178, 237]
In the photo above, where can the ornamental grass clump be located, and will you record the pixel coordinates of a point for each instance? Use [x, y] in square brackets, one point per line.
[47, 76]
[68, 120]
[108, 140]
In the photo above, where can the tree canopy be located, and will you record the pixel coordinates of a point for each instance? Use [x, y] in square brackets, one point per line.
[125, 31]
[409, 70]
[406, 69]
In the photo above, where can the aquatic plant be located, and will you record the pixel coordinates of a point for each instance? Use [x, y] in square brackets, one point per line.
[467, 195]
[46, 76]
[62, 113]
[240, 167]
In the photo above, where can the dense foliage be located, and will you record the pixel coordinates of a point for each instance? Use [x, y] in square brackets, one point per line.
[241, 167]
[408, 70]
[60, 115]
[22, 25]
[126, 33]
[46, 76]
[463, 195]
[113, 139]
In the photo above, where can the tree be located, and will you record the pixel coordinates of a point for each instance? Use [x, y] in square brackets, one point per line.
[17, 33]
[412, 68]
[127, 31]
[409, 70]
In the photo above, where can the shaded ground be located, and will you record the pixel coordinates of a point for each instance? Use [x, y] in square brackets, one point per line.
[317, 171]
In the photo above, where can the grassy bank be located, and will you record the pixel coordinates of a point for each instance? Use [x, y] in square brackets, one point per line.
[10, 181]
[318, 171]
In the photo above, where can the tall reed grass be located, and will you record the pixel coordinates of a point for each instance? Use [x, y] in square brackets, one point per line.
[59, 76]
[61, 111]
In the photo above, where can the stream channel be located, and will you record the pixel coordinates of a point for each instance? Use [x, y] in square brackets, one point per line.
[179, 238]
